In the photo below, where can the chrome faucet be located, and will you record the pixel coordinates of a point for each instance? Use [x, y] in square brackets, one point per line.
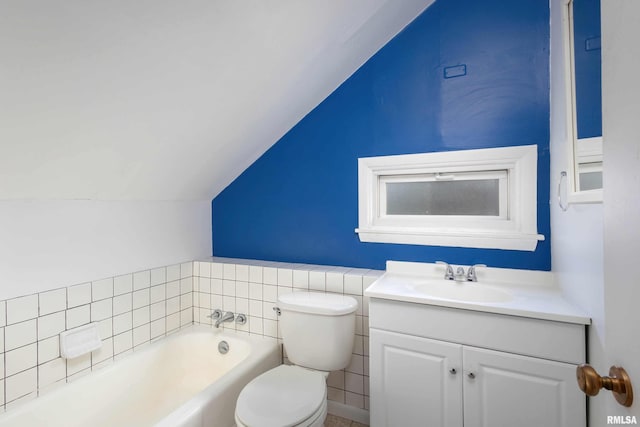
[448, 274]
[471, 273]
[227, 317]
[216, 314]
[459, 275]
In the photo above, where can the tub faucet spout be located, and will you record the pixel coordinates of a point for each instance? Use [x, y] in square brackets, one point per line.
[227, 317]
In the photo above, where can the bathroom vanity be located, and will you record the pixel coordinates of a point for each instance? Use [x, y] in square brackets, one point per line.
[499, 352]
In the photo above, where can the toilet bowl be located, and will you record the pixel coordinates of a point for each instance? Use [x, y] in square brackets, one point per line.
[283, 396]
[318, 331]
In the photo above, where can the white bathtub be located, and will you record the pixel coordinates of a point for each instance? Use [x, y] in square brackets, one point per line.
[181, 380]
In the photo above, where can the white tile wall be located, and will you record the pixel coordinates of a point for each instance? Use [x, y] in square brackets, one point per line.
[78, 295]
[22, 308]
[102, 289]
[51, 325]
[130, 310]
[21, 359]
[53, 301]
[157, 293]
[252, 288]
[123, 284]
[173, 273]
[48, 349]
[122, 303]
[141, 298]
[20, 334]
[78, 316]
[19, 385]
[143, 279]
[50, 372]
[101, 310]
[133, 309]
[157, 277]
[141, 316]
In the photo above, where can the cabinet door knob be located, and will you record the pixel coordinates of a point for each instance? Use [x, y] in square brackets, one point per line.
[453, 371]
[471, 375]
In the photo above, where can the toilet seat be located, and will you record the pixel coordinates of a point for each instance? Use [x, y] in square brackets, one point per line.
[284, 396]
[316, 420]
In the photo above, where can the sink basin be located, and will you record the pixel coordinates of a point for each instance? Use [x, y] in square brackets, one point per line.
[459, 291]
[506, 291]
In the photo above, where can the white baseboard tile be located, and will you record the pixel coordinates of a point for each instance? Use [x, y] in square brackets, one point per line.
[349, 412]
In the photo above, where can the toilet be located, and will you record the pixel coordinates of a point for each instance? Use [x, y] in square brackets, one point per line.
[318, 331]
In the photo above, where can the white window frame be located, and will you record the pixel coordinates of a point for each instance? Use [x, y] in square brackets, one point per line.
[515, 228]
[584, 149]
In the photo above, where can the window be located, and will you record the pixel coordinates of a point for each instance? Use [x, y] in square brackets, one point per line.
[588, 164]
[472, 198]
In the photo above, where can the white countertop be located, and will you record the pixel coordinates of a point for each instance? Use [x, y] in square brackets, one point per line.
[529, 293]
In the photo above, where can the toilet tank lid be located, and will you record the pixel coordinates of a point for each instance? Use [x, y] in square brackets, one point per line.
[318, 303]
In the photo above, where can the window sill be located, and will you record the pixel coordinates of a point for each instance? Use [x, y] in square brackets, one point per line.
[495, 239]
[590, 196]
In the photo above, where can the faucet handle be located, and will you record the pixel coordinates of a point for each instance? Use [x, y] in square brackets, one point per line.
[471, 273]
[448, 275]
[217, 314]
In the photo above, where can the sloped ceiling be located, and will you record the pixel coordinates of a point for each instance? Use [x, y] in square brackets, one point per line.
[165, 99]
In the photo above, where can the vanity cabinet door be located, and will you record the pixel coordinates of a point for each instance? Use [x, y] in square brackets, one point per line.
[414, 381]
[502, 389]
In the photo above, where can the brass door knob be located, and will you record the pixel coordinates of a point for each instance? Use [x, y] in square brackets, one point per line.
[590, 382]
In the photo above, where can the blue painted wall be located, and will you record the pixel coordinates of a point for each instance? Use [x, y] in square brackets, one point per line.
[299, 201]
[588, 70]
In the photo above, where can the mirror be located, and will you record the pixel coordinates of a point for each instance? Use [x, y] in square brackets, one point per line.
[585, 86]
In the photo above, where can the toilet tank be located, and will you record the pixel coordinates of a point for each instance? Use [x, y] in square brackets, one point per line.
[318, 329]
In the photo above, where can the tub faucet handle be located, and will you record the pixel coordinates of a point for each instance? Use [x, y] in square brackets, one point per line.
[241, 319]
[217, 313]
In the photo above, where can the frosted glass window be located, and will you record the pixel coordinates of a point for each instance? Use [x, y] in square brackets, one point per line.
[590, 181]
[590, 175]
[481, 194]
[472, 197]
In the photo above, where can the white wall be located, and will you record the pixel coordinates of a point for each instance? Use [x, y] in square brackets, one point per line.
[577, 234]
[49, 244]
